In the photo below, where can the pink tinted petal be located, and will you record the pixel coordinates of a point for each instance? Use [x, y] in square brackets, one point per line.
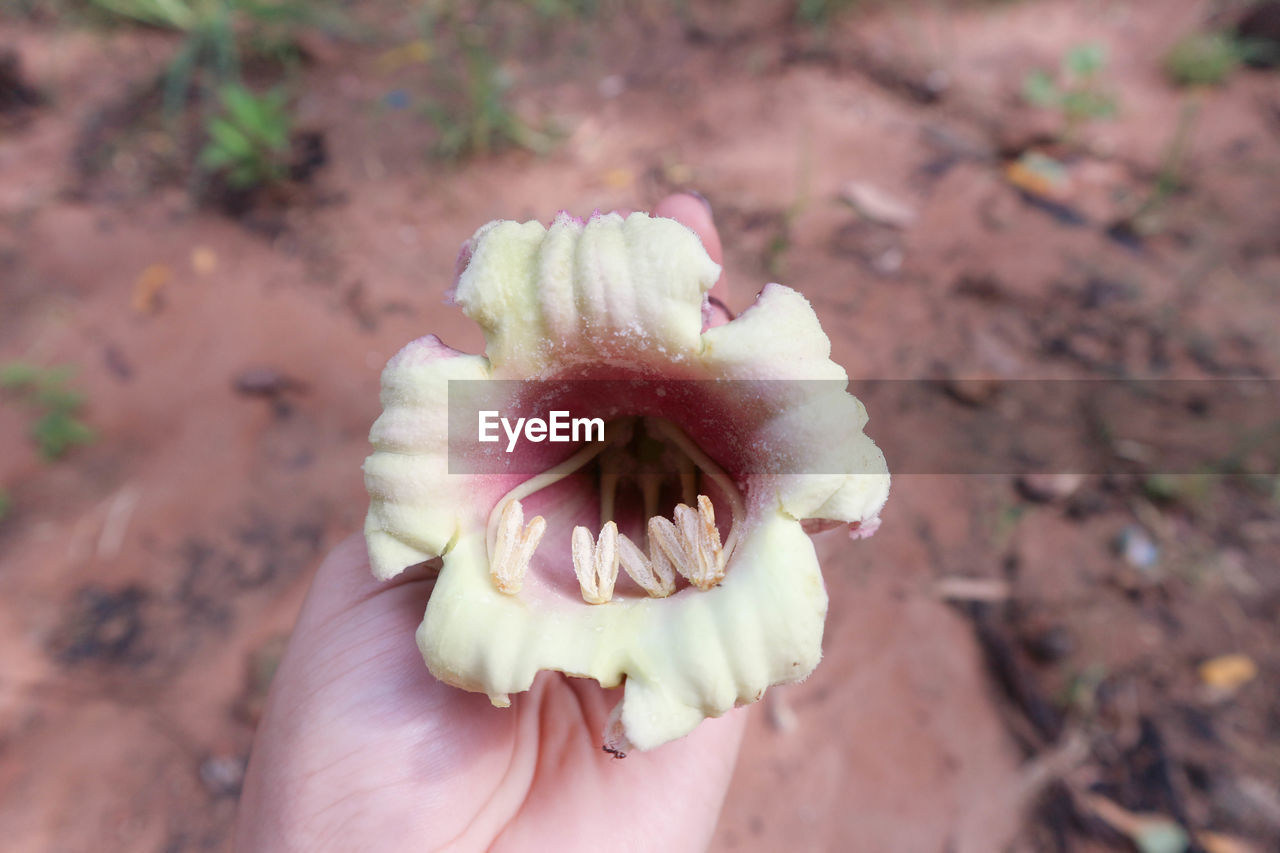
[864, 529]
[425, 349]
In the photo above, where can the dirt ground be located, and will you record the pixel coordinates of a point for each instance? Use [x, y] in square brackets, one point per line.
[998, 674]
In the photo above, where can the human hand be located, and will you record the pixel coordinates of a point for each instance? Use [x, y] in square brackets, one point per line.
[360, 748]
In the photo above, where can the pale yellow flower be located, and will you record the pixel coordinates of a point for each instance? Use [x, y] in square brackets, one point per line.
[692, 582]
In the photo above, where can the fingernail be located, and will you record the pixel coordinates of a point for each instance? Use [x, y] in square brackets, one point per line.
[702, 198]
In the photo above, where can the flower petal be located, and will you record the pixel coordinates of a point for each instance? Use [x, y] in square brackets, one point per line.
[778, 337]
[817, 429]
[416, 505]
[692, 655]
[611, 289]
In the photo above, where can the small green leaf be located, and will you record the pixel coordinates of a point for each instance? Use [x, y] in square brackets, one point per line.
[45, 390]
[241, 105]
[16, 375]
[1039, 90]
[1088, 104]
[228, 136]
[57, 432]
[213, 157]
[1085, 60]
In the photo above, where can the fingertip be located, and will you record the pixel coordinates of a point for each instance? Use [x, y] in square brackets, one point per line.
[693, 210]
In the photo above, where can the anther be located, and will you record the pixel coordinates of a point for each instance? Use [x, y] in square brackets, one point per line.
[514, 548]
[665, 542]
[656, 577]
[704, 567]
[596, 563]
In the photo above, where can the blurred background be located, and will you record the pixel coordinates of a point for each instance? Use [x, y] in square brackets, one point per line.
[219, 218]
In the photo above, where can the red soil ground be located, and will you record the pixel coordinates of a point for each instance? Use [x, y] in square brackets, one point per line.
[147, 578]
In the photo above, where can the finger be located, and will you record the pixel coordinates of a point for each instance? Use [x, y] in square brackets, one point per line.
[683, 781]
[353, 709]
[344, 579]
[695, 212]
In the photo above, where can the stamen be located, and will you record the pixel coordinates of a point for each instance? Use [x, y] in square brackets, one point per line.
[514, 548]
[584, 552]
[710, 534]
[650, 491]
[707, 515]
[663, 568]
[688, 478]
[655, 577]
[712, 470]
[607, 560]
[533, 532]
[689, 546]
[709, 551]
[664, 539]
[704, 552]
[608, 494]
[687, 522]
[510, 526]
[596, 563]
[614, 433]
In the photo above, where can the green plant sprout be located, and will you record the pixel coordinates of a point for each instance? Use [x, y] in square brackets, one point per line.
[819, 14]
[1146, 219]
[1076, 91]
[249, 138]
[215, 35]
[482, 120]
[566, 10]
[57, 427]
[6, 504]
